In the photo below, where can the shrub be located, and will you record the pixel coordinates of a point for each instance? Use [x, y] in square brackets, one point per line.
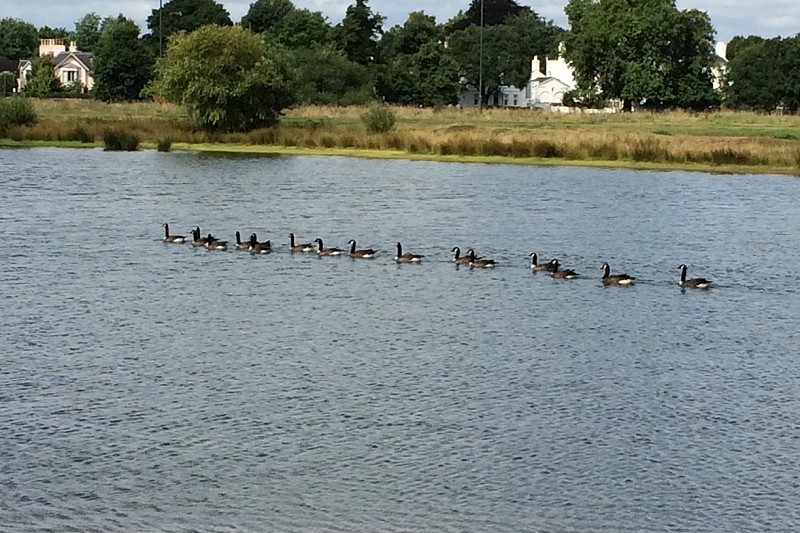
[164, 144]
[546, 149]
[16, 111]
[81, 134]
[648, 150]
[120, 141]
[379, 119]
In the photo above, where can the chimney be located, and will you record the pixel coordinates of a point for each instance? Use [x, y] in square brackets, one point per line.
[536, 68]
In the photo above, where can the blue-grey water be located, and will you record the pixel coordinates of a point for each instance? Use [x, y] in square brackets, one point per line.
[146, 386]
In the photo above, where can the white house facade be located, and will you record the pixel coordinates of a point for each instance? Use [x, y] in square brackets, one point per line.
[70, 65]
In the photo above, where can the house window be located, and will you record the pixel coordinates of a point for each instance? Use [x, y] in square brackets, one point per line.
[515, 101]
[70, 75]
[505, 101]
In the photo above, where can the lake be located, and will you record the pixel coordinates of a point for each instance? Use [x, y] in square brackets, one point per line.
[148, 386]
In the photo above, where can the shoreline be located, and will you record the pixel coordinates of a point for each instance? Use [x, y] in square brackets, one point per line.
[395, 155]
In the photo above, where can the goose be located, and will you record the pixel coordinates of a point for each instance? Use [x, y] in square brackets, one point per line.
[241, 245]
[177, 239]
[322, 251]
[256, 247]
[616, 279]
[562, 274]
[367, 253]
[406, 258]
[304, 247]
[458, 258]
[537, 267]
[477, 262]
[199, 241]
[216, 244]
[694, 283]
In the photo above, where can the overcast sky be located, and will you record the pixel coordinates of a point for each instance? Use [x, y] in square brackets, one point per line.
[767, 18]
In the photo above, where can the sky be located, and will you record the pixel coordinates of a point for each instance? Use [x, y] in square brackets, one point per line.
[766, 18]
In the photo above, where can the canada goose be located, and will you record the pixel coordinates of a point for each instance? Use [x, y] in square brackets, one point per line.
[406, 258]
[256, 247]
[199, 241]
[177, 239]
[367, 253]
[562, 274]
[241, 245]
[458, 258]
[695, 283]
[616, 279]
[304, 247]
[537, 267]
[322, 251]
[216, 244]
[476, 262]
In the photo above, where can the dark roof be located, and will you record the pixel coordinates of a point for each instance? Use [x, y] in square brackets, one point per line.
[84, 57]
[9, 65]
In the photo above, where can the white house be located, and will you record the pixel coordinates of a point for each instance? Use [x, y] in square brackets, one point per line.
[70, 65]
[542, 90]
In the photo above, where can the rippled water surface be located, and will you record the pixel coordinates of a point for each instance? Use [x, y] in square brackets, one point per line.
[147, 386]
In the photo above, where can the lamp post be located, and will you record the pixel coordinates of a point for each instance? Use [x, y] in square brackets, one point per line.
[480, 65]
[160, 35]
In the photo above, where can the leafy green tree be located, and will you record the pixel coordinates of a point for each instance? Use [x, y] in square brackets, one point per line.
[302, 28]
[8, 82]
[18, 39]
[185, 15]
[507, 51]
[765, 75]
[418, 30]
[122, 63]
[327, 77]
[358, 33]
[429, 77]
[87, 32]
[264, 15]
[227, 77]
[43, 80]
[642, 51]
[495, 12]
[739, 43]
[46, 32]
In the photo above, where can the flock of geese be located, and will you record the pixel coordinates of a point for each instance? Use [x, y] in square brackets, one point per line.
[253, 246]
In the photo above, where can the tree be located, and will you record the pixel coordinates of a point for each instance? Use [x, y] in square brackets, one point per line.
[227, 77]
[8, 82]
[495, 12]
[357, 35]
[18, 39]
[43, 80]
[264, 15]
[327, 77]
[507, 51]
[302, 28]
[87, 32]
[642, 51]
[428, 77]
[185, 15]
[122, 63]
[765, 75]
[46, 32]
[407, 39]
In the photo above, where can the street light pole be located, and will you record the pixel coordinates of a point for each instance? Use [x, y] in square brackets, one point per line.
[160, 35]
[480, 65]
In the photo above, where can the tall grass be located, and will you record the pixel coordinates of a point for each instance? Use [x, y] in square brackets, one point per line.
[713, 140]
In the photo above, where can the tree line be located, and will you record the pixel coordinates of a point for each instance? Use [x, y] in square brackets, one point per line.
[646, 53]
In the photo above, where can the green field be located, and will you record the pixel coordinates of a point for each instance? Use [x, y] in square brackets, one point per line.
[722, 141]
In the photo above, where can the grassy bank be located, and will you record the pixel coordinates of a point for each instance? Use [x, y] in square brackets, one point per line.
[717, 142]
